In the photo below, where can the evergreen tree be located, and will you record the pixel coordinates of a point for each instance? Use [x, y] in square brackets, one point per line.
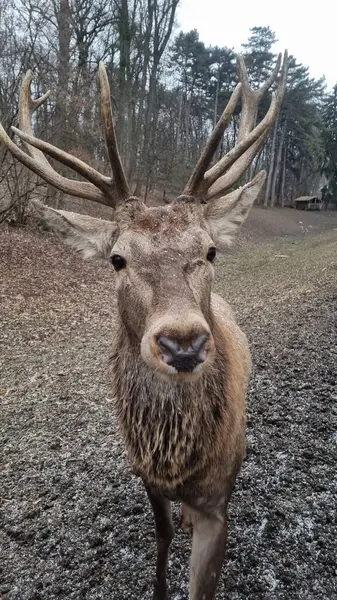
[330, 142]
[258, 53]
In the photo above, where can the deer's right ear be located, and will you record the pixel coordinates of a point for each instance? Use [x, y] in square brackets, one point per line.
[94, 238]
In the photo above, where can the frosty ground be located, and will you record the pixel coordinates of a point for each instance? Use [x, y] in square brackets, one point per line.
[76, 523]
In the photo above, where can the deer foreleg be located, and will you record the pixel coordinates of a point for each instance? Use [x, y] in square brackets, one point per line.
[208, 551]
[164, 533]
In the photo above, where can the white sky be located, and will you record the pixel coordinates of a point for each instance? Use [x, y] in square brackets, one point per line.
[307, 29]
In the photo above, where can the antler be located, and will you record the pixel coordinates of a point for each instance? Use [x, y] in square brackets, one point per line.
[110, 136]
[100, 188]
[228, 170]
[251, 98]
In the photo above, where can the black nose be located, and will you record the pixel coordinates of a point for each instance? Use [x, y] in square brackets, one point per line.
[183, 360]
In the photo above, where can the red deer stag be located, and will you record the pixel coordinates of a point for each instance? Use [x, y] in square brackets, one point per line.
[180, 364]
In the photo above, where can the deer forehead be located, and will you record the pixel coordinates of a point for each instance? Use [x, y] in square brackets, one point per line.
[136, 216]
[164, 232]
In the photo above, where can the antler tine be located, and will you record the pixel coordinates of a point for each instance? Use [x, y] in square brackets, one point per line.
[97, 179]
[227, 161]
[229, 169]
[197, 176]
[122, 186]
[272, 77]
[98, 188]
[27, 106]
[36, 147]
[239, 159]
[250, 97]
[225, 182]
[68, 186]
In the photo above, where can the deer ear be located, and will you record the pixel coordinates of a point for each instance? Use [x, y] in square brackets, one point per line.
[94, 238]
[225, 215]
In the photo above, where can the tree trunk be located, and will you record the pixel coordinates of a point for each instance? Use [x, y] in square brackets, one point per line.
[277, 166]
[61, 109]
[124, 76]
[271, 165]
[180, 111]
[141, 112]
[163, 19]
[283, 180]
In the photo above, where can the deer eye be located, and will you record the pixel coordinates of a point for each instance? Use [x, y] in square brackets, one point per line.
[118, 262]
[211, 254]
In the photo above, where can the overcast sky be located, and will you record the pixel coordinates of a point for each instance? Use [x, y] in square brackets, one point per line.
[307, 29]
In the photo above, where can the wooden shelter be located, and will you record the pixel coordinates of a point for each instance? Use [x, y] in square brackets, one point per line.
[308, 203]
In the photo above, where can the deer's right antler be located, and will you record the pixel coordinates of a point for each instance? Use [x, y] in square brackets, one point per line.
[98, 187]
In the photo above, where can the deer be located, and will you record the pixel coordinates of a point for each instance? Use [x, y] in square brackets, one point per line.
[180, 364]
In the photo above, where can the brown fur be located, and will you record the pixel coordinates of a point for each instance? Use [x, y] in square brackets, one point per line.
[172, 452]
[184, 432]
[185, 435]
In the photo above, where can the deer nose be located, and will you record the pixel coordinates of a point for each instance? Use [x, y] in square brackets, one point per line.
[183, 359]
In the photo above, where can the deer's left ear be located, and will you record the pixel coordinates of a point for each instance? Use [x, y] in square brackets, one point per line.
[225, 215]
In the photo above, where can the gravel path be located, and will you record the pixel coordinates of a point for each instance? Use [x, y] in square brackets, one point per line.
[75, 522]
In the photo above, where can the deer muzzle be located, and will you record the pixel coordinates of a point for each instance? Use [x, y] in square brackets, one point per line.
[184, 360]
[174, 349]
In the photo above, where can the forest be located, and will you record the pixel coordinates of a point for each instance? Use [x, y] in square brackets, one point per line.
[168, 91]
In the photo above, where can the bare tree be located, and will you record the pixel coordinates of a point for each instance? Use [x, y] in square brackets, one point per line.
[162, 19]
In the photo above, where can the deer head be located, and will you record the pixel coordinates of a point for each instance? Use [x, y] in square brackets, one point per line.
[163, 257]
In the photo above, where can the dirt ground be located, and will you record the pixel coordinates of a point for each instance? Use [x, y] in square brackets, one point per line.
[76, 523]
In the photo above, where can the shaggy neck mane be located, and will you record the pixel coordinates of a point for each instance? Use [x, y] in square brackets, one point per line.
[161, 420]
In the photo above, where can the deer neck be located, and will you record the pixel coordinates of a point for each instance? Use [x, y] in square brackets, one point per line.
[161, 420]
